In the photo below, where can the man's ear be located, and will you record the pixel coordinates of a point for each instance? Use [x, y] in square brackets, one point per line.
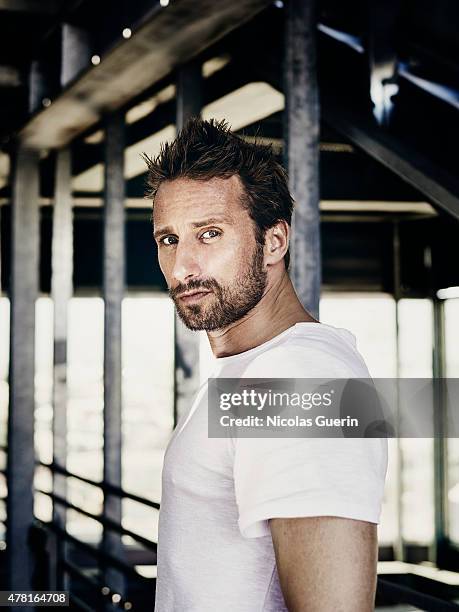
[277, 240]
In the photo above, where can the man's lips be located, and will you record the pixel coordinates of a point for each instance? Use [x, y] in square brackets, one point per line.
[193, 296]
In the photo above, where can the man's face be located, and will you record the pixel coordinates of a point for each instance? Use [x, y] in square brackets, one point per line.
[207, 251]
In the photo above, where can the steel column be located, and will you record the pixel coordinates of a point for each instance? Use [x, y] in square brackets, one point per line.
[189, 92]
[186, 357]
[61, 293]
[302, 129]
[24, 289]
[76, 52]
[114, 280]
[382, 56]
[37, 86]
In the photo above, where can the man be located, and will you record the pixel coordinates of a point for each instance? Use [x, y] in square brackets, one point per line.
[268, 524]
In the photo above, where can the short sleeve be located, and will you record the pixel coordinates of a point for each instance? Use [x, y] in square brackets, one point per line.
[303, 477]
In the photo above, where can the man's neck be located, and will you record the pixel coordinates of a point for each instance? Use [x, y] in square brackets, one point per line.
[278, 310]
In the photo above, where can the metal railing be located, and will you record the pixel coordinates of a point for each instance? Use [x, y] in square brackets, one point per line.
[395, 593]
[96, 592]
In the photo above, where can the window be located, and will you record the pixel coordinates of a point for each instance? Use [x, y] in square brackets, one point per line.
[452, 371]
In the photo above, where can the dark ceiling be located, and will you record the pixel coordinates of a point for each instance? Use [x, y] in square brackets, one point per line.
[410, 49]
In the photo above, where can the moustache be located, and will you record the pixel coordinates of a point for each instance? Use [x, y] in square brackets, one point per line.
[195, 285]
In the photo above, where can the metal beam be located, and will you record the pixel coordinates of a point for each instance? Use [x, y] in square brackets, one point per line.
[186, 343]
[350, 40]
[248, 104]
[302, 151]
[10, 76]
[414, 209]
[438, 186]
[170, 37]
[24, 290]
[114, 282]
[61, 293]
[163, 113]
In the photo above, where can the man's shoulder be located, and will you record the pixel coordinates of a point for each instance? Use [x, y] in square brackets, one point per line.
[311, 353]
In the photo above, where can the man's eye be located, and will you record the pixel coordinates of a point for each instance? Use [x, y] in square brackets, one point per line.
[213, 234]
[166, 240]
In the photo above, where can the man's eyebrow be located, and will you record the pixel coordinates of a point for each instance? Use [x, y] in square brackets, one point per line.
[210, 220]
[218, 219]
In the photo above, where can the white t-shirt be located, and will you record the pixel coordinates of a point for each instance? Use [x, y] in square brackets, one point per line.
[215, 550]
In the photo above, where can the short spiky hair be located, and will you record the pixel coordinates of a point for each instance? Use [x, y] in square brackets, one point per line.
[208, 149]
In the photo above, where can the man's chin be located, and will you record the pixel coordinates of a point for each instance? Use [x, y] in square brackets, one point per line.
[191, 322]
[196, 324]
[195, 328]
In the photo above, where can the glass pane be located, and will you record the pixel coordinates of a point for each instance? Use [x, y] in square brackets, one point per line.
[415, 319]
[415, 335]
[148, 401]
[4, 364]
[43, 378]
[371, 318]
[452, 371]
[43, 403]
[85, 387]
[148, 359]
[85, 354]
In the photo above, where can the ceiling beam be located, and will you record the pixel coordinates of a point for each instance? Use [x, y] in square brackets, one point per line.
[48, 7]
[437, 185]
[354, 207]
[170, 37]
[244, 106]
[10, 76]
[155, 113]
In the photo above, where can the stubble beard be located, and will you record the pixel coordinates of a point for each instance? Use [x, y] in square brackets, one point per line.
[226, 304]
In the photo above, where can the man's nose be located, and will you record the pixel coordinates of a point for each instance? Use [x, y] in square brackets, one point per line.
[186, 265]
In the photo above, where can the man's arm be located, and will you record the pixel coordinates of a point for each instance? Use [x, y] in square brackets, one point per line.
[326, 563]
